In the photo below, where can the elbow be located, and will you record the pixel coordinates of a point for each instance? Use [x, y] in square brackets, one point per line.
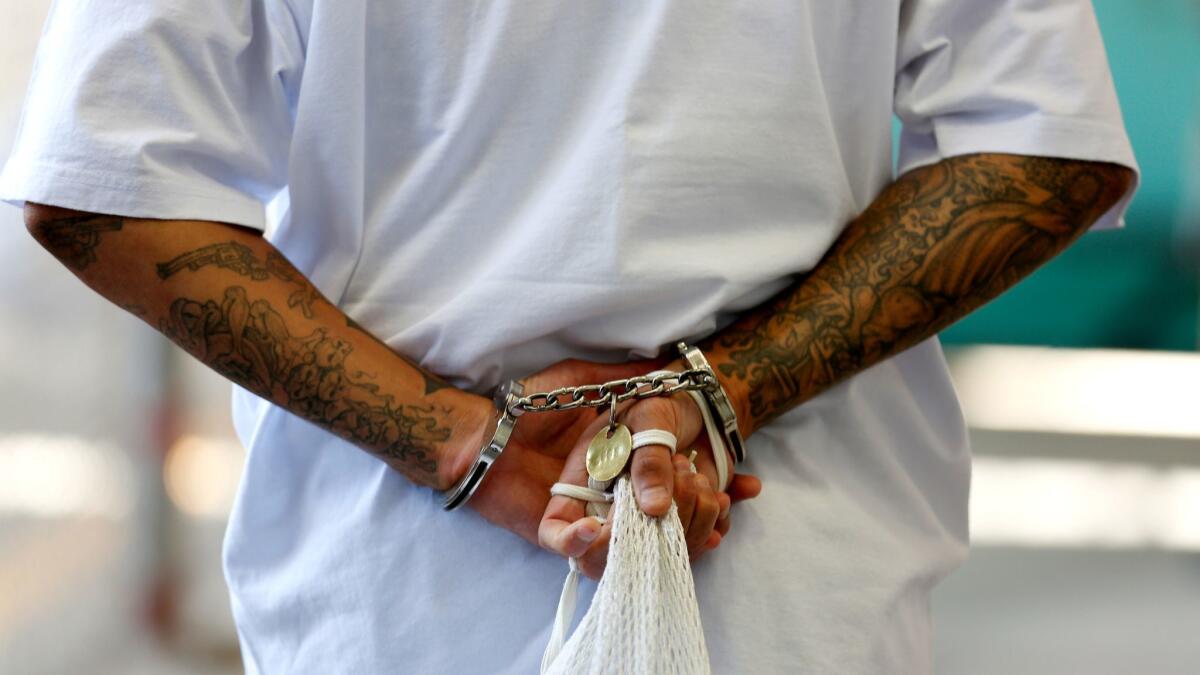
[1116, 181]
[70, 236]
[40, 219]
[1127, 177]
[1093, 189]
[35, 219]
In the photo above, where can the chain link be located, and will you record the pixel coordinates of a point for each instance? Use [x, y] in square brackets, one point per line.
[601, 395]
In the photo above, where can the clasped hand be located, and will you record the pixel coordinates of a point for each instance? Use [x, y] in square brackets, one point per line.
[550, 447]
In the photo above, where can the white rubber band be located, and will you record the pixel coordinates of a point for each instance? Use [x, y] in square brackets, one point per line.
[655, 437]
[580, 492]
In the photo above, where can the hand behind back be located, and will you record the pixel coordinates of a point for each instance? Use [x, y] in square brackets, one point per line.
[516, 492]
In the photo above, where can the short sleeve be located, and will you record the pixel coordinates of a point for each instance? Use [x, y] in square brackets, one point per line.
[1026, 77]
[173, 109]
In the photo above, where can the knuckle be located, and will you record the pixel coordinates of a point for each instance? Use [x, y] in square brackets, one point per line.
[592, 566]
[684, 507]
[652, 412]
[705, 515]
[685, 490]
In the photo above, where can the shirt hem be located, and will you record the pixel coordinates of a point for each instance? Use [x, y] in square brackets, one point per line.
[1038, 135]
[79, 190]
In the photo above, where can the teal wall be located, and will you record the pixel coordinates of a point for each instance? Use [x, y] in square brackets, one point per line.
[1135, 288]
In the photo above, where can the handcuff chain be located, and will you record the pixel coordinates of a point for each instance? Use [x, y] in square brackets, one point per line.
[600, 395]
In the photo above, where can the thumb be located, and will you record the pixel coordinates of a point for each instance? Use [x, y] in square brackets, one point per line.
[565, 528]
[568, 539]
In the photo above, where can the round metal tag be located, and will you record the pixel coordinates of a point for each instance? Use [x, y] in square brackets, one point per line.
[607, 456]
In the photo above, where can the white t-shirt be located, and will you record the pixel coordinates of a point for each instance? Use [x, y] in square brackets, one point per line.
[493, 186]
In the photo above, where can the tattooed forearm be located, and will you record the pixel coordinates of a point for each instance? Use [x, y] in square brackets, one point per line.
[240, 259]
[232, 300]
[249, 342]
[74, 239]
[433, 383]
[936, 244]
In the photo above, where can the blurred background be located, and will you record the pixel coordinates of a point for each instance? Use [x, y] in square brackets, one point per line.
[1082, 388]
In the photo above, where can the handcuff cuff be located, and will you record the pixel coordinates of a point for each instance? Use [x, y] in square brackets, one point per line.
[509, 403]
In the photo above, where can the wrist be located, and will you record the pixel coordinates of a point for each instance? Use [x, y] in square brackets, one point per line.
[696, 420]
[738, 393]
[736, 389]
[472, 413]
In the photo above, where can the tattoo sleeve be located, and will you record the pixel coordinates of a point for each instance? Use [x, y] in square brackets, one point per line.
[231, 300]
[936, 244]
[249, 342]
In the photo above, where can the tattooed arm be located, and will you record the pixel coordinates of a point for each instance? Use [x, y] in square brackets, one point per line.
[936, 244]
[228, 297]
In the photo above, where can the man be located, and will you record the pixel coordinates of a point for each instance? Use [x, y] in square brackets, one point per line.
[492, 189]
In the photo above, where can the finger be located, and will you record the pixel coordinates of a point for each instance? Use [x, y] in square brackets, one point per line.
[744, 486]
[685, 490]
[705, 517]
[722, 526]
[653, 479]
[704, 458]
[723, 521]
[714, 540]
[653, 473]
[594, 560]
[568, 539]
[564, 528]
[561, 513]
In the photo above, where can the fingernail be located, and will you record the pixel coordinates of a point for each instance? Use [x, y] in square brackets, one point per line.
[655, 497]
[702, 482]
[588, 534]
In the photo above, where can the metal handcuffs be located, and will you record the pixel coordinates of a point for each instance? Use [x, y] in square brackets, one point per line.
[509, 403]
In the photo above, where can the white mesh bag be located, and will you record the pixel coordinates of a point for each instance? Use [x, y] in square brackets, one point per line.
[643, 617]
